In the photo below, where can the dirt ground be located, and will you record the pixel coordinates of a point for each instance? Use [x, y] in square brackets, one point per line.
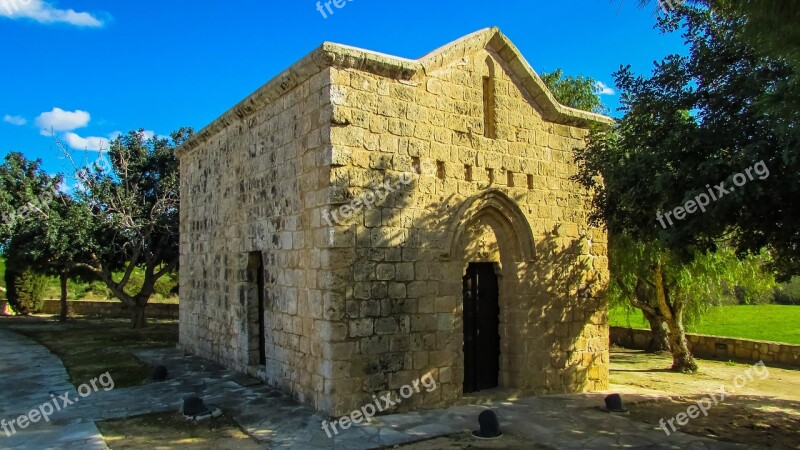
[762, 412]
[171, 430]
[88, 347]
[465, 440]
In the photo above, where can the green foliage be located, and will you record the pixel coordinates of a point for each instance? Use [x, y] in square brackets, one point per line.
[713, 276]
[125, 219]
[97, 289]
[772, 26]
[25, 291]
[134, 205]
[26, 194]
[44, 230]
[81, 288]
[697, 120]
[576, 92]
[167, 286]
[788, 293]
[707, 279]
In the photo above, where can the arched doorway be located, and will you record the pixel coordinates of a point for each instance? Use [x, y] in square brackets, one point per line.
[491, 242]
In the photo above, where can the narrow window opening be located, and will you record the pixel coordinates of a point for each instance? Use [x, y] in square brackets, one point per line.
[489, 114]
[415, 165]
[490, 175]
[440, 172]
[530, 181]
[510, 178]
[468, 172]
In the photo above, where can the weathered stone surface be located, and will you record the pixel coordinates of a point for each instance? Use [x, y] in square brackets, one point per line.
[367, 188]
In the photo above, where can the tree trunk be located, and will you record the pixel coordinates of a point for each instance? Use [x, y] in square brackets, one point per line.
[682, 360]
[139, 320]
[63, 279]
[645, 295]
[659, 341]
[137, 302]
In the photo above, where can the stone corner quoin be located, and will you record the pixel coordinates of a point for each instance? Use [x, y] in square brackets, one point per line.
[336, 311]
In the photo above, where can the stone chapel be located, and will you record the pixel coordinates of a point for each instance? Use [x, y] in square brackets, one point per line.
[363, 220]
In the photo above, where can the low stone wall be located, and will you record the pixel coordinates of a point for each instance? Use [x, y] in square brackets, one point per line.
[111, 309]
[716, 347]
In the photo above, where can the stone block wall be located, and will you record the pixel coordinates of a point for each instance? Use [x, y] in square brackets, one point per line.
[110, 309]
[254, 186]
[401, 287]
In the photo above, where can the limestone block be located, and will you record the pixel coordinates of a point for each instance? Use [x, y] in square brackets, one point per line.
[361, 327]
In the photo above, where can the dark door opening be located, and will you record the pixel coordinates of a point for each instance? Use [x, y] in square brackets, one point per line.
[262, 345]
[481, 328]
[257, 343]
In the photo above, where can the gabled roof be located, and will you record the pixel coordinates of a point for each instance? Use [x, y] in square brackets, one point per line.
[346, 57]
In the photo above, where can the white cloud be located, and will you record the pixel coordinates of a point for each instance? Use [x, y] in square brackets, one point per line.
[60, 120]
[87, 143]
[15, 120]
[602, 89]
[63, 187]
[147, 134]
[44, 12]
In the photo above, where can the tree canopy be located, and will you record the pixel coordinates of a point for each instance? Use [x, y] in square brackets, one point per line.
[133, 208]
[575, 91]
[704, 160]
[698, 121]
[120, 216]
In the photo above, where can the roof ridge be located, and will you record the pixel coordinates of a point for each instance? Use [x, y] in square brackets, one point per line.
[341, 56]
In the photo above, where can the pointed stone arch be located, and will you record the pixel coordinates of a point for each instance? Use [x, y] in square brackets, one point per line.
[503, 214]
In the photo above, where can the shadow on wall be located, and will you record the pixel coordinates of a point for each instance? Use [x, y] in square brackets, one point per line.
[404, 311]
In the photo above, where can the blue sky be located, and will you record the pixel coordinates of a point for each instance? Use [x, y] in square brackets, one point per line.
[92, 68]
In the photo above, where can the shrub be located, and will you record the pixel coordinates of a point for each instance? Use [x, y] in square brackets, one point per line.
[25, 291]
[166, 285]
[97, 289]
[788, 293]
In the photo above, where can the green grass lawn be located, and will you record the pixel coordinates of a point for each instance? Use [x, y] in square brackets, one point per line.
[777, 323]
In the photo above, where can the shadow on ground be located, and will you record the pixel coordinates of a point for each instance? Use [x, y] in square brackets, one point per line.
[761, 410]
